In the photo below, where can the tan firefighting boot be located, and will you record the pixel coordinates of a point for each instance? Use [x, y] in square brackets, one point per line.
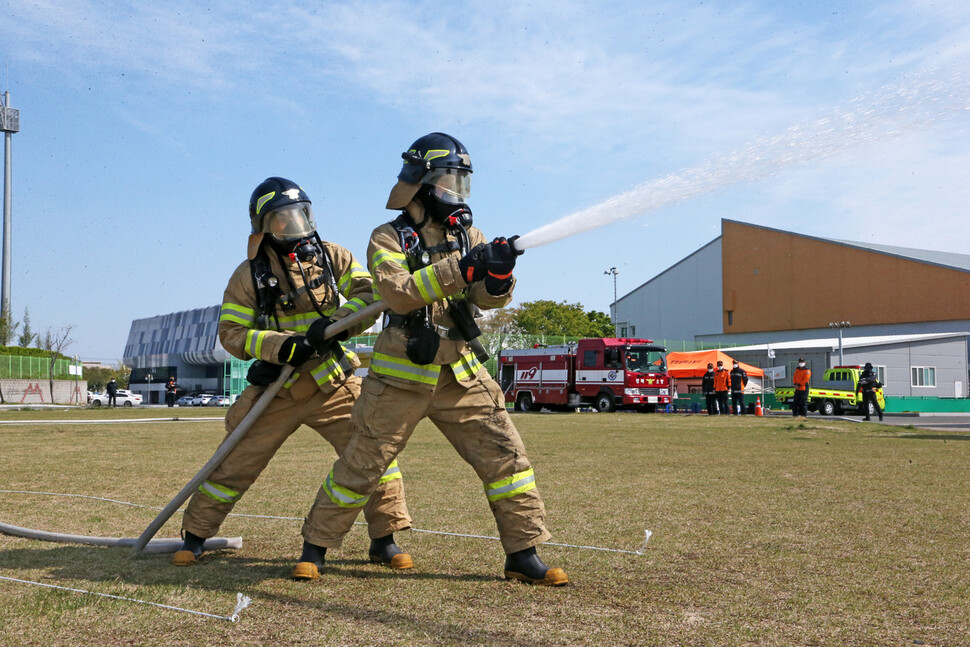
[526, 566]
[190, 552]
[385, 551]
[311, 561]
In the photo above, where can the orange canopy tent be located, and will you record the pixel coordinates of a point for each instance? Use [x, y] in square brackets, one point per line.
[694, 364]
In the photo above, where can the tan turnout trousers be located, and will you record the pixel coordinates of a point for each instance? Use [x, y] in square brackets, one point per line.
[473, 419]
[329, 416]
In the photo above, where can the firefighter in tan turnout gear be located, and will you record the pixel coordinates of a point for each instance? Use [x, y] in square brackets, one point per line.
[432, 268]
[284, 294]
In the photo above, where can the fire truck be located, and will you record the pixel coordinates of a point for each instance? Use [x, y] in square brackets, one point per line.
[606, 374]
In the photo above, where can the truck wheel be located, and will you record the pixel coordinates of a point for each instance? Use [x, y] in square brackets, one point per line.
[524, 402]
[827, 408]
[604, 403]
[871, 409]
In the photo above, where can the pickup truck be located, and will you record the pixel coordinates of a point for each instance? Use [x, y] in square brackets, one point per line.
[835, 395]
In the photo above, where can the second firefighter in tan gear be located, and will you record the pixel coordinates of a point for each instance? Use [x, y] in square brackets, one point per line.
[280, 295]
[422, 367]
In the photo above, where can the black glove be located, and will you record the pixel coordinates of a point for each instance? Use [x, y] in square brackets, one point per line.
[316, 335]
[472, 265]
[263, 373]
[295, 351]
[500, 260]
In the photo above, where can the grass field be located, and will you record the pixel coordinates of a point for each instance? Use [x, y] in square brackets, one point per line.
[766, 531]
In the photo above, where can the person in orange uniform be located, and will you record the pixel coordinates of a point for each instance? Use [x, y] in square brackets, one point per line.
[722, 386]
[801, 380]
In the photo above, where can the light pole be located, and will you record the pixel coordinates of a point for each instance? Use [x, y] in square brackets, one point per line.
[613, 271]
[840, 325]
[9, 124]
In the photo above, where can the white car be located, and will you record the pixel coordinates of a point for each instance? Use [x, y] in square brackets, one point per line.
[201, 399]
[218, 401]
[122, 397]
[185, 401]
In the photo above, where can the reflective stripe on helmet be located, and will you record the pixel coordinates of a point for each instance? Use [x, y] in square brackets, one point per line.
[344, 497]
[402, 368]
[262, 200]
[219, 493]
[515, 484]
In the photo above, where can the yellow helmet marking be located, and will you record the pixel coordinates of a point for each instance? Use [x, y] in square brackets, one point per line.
[263, 200]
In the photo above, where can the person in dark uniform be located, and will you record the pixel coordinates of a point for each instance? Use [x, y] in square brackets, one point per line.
[112, 391]
[869, 385]
[707, 388]
[170, 388]
[739, 380]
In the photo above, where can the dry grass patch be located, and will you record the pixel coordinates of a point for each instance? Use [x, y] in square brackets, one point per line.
[765, 533]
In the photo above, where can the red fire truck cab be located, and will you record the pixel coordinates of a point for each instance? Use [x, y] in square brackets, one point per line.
[607, 374]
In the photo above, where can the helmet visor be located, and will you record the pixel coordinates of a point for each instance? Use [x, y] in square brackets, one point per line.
[290, 222]
[450, 185]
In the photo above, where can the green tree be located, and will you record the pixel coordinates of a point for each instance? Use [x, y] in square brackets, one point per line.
[558, 318]
[54, 342]
[26, 334]
[8, 327]
[602, 323]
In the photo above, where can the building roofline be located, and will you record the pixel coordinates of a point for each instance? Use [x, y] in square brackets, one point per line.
[657, 276]
[858, 245]
[849, 342]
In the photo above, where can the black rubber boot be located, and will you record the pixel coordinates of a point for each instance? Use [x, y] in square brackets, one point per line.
[311, 561]
[526, 566]
[191, 550]
[383, 550]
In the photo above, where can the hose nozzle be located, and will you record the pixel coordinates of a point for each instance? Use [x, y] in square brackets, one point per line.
[511, 242]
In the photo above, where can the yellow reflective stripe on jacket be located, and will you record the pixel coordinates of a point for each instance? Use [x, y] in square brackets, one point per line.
[238, 314]
[328, 369]
[392, 472]
[355, 272]
[344, 497]
[354, 304]
[383, 255]
[466, 367]
[428, 285]
[515, 484]
[220, 493]
[402, 368]
[254, 342]
[302, 322]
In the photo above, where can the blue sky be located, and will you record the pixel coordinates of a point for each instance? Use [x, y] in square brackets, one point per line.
[145, 127]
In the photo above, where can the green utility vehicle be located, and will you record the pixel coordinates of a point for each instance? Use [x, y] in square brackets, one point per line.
[836, 394]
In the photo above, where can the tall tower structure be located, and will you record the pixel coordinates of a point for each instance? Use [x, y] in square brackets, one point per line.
[9, 124]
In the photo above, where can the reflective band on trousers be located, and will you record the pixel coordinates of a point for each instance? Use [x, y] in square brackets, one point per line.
[402, 368]
[466, 367]
[344, 497]
[515, 484]
[392, 472]
[220, 493]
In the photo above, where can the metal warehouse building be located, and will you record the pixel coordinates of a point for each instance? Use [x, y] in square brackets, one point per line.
[909, 309]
